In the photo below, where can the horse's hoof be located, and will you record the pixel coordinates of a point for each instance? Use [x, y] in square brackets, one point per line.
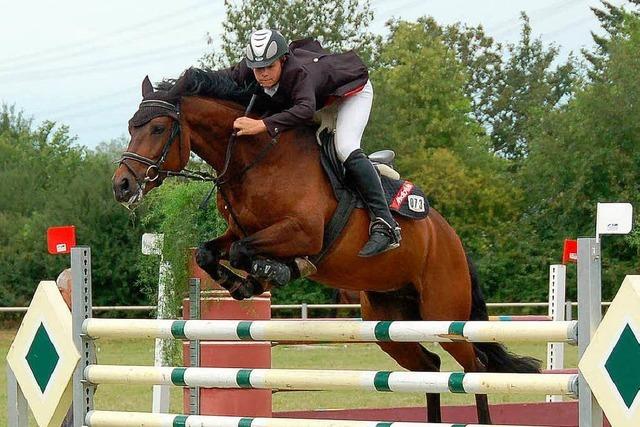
[257, 287]
[241, 290]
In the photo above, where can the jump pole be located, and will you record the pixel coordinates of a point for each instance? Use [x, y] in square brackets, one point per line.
[82, 319]
[114, 419]
[589, 307]
[336, 331]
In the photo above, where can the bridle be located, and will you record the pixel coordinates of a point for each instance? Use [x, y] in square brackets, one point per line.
[154, 167]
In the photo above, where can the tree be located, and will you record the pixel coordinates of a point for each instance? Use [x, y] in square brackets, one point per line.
[589, 152]
[510, 87]
[338, 24]
[521, 92]
[482, 58]
[48, 180]
[421, 111]
[611, 19]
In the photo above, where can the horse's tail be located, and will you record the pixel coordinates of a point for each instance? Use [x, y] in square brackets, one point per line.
[495, 356]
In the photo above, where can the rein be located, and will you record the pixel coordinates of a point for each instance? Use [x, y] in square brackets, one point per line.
[220, 180]
[155, 166]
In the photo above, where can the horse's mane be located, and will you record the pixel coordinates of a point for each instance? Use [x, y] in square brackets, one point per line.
[205, 82]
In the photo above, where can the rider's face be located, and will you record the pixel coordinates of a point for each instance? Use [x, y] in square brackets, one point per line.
[269, 76]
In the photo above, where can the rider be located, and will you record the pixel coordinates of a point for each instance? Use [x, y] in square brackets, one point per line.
[298, 79]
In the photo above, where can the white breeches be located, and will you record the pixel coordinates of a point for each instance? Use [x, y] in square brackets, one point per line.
[352, 118]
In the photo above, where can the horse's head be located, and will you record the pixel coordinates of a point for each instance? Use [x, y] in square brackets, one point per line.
[158, 146]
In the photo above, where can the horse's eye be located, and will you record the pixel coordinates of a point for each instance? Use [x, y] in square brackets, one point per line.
[156, 130]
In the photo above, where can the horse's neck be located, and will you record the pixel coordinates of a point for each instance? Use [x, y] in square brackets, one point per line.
[211, 124]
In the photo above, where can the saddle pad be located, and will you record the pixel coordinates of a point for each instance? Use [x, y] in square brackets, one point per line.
[405, 198]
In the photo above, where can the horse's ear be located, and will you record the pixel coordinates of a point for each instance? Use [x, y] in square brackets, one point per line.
[147, 87]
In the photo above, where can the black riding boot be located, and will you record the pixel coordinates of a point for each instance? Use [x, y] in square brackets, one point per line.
[384, 232]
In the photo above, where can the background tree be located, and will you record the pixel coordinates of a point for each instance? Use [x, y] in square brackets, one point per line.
[338, 24]
[611, 19]
[48, 180]
[589, 151]
[527, 88]
[426, 118]
[511, 86]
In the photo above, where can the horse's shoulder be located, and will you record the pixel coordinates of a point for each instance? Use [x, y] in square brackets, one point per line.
[304, 136]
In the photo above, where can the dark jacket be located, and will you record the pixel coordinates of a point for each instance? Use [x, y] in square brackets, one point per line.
[311, 76]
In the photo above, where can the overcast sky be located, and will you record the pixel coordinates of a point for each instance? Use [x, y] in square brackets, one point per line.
[81, 62]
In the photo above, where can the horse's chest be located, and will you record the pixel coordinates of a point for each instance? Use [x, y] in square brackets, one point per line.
[248, 216]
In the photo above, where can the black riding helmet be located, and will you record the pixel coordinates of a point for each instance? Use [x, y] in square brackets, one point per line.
[265, 47]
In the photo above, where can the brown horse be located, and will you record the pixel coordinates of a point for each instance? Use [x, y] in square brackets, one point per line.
[281, 201]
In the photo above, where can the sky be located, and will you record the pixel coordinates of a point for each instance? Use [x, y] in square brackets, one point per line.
[81, 62]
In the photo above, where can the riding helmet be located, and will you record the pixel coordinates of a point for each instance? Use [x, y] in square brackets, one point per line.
[265, 47]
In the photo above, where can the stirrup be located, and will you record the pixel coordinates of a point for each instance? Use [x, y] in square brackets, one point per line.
[379, 229]
[392, 231]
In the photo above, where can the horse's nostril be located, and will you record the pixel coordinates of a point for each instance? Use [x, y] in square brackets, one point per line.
[124, 185]
[121, 189]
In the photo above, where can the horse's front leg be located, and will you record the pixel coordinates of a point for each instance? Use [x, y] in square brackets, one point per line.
[210, 253]
[268, 255]
[208, 257]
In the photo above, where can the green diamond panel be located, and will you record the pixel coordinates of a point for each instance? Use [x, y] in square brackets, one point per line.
[622, 365]
[42, 357]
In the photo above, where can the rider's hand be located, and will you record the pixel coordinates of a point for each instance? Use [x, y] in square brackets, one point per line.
[247, 126]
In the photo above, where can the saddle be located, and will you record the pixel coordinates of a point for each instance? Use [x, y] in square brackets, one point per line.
[403, 197]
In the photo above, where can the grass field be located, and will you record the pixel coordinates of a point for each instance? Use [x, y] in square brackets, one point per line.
[335, 356]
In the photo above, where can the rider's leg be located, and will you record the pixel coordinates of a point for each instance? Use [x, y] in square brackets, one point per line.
[353, 114]
[384, 233]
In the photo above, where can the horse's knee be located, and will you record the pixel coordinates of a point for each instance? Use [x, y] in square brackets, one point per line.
[241, 255]
[207, 259]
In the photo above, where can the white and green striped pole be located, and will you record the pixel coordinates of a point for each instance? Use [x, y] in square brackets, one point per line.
[139, 419]
[334, 331]
[309, 379]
